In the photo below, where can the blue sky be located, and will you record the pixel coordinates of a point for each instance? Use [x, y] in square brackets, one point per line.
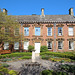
[29, 7]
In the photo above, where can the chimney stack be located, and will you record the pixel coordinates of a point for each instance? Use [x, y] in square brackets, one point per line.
[42, 12]
[71, 12]
[5, 11]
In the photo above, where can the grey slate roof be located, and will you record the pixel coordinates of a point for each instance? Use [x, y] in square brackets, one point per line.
[47, 18]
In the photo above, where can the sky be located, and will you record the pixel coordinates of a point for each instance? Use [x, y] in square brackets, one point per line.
[29, 7]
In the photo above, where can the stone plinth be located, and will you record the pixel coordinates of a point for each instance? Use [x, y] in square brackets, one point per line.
[33, 55]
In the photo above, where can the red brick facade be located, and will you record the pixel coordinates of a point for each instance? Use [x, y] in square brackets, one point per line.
[45, 21]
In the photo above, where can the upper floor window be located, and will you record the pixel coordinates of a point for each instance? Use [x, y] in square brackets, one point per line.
[70, 31]
[6, 31]
[16, 45]
[49, 44]
[37, 31]
[71, 45]
[6, 45]
[26, 31]
[49, 31]
[60, 45]
[59, 31]
[16, 31]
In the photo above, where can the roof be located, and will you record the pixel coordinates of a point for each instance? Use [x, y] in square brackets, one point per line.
[46, 18]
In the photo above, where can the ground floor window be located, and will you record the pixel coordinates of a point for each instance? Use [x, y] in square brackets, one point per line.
[71, 45]
[60, 45]
[6, 45]
[49, 44]
[16, 45]
[26, 44]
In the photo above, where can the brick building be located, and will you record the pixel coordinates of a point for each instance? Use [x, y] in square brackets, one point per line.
[57, 32]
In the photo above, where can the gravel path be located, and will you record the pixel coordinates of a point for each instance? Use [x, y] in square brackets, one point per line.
[15, 65]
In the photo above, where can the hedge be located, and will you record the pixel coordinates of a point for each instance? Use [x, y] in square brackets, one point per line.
[17, 54]
[58, 54]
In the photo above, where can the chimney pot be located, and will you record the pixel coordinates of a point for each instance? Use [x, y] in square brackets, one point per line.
[5, 11]
[71, 12]
[42, 12]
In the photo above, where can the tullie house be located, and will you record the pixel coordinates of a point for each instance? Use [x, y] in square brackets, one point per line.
[57, 32]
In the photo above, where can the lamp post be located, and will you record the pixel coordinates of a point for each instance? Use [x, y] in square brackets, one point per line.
[21, 35]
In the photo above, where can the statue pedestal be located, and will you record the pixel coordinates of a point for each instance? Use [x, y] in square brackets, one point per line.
[33, 55]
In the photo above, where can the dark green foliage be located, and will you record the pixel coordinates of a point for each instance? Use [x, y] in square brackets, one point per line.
[5, 65]
[51, 72]
[30, 48]
[69, 68]
[43, 49]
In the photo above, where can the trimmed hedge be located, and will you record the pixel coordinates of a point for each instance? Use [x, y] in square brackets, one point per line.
[25, 57]
[70, 55]
[17, 54]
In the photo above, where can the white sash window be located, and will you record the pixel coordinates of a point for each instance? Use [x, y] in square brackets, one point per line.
[70, 31]
[16, 45]
[26, 31]
[49, 31]
[59, 31]
[6, 45]
[71, 45]
[26, 44]
[60, 45]
[49, 45]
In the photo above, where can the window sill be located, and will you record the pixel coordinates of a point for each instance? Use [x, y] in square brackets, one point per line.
[70, 35]
[60, 36]
[37, 36]
[49, 49]
[49, 36]
[27, 36]
[60, 49]
[71, 49]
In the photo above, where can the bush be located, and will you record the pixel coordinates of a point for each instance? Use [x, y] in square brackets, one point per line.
[51, 72]
[4, 65]
[43, 49]
[30, 48]
[12, 72]
[5, 71]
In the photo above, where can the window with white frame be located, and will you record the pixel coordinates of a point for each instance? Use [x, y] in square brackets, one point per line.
[59, 31]
[71, 45]
[70, 29]
[49, 31]
[37, 31]
[6, 45]
[16, 31]
[60, 44]
[26, 44]
[16, 45]
[26, 31]
[6, 31]
[49, 44]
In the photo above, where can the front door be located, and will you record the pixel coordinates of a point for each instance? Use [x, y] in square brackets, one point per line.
[37, 47]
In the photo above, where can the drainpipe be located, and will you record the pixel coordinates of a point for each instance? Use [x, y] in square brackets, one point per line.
[54, 37]
[21, 36]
